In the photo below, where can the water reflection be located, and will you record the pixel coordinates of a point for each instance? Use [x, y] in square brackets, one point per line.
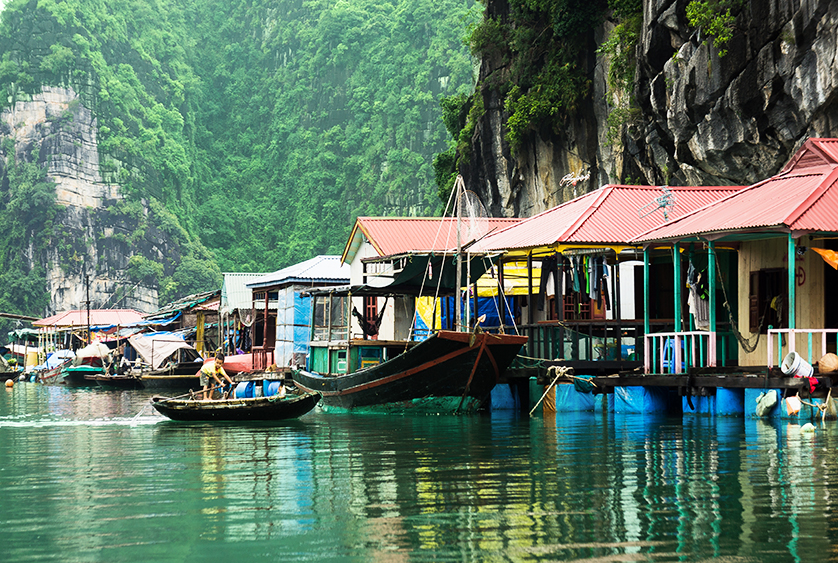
[90, 485]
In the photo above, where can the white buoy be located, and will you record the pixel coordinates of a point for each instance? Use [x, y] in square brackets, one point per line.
[808, 427]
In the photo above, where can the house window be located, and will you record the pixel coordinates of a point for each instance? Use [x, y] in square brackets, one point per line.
[320, 321]
[768, 300]
[371, 313]
[338, 317]
[370, 308]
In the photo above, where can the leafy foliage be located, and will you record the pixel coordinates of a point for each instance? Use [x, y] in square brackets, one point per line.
[27, 214]
[620, 47]
[716, 18]
[538, 57]
[256, 130]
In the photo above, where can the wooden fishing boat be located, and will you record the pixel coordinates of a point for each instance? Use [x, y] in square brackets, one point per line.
[9, 375]
[53, 375]
[256, 408]
[77, 376]
[447, 364]
[109, 380]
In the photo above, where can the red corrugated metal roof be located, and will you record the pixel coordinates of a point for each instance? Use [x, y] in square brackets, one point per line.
[98, 317]
[610, 214]
[803, 197]
[397, 235]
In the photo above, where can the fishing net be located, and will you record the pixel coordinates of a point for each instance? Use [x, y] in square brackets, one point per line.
[473, 218]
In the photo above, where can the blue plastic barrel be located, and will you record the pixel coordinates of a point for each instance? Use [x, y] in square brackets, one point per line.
[270, 388]
[244, 390]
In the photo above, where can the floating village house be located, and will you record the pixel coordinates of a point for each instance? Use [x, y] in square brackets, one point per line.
[281, 311]
[199, 312]
[583, 307]
[767, 250]
[69, 329]
[236, 310]
[785, 229]
[375, 251]
[390, 259]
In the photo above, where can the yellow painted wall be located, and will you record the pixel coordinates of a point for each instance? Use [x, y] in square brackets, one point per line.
[772, 253]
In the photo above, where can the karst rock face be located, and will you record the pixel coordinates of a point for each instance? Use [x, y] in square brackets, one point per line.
[698, 118]
[90, 236]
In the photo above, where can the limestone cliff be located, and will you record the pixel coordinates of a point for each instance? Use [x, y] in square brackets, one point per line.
[92, 233]
[696, 118]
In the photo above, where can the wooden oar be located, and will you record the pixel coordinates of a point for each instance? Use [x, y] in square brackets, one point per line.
[192, 393]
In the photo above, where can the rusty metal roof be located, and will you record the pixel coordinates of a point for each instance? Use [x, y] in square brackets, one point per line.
[802, 197]
[611, 214]
[98, 317]
[399, 235]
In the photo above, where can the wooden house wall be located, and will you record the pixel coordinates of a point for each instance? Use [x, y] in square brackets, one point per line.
[809, 295]
[387, 328]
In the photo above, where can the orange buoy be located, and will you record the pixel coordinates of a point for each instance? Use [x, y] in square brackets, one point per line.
[9, 382]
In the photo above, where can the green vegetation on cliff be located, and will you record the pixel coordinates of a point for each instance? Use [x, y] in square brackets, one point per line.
[535, 57]
[255, 130]
[27, 211]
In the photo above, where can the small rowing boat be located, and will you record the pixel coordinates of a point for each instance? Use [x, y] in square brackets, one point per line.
[254, 408]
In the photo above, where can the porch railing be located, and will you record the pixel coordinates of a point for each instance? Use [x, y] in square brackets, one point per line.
[672, 352]
[583, 340]
[776, 335]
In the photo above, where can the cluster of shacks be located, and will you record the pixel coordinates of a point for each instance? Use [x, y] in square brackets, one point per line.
[660, 280]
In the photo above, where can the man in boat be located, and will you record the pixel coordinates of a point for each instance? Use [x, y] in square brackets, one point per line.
[213, 371]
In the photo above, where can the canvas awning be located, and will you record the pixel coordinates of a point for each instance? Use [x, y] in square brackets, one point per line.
[156, 347]
[95, 350]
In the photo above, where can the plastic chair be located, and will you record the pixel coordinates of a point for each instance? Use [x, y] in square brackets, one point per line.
[669, 354]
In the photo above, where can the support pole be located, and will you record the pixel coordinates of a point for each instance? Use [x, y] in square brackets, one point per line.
[647, 347]
[646, 258]
[530, 309]
[501, 296]
[459, 186]
[792, 282]
[88, 340]
[711, 273]
[676, 265]
[531, 346]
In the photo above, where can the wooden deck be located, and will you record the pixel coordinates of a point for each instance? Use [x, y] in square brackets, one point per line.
[608, 375]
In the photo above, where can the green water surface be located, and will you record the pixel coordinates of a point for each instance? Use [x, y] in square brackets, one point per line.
[82, 478]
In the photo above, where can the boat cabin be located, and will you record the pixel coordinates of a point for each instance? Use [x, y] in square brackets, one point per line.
[340, 345]
[198, 311]
[378, 250]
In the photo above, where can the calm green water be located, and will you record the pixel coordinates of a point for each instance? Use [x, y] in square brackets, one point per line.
[82, 480]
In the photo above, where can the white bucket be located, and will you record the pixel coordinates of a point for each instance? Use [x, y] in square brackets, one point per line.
[794, 364]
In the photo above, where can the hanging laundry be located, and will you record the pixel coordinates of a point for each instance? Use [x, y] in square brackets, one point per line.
[548, 266]
[576, 268]
[699, 307]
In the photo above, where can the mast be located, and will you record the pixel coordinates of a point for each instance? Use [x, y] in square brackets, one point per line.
[87, 289]
[458, 186]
